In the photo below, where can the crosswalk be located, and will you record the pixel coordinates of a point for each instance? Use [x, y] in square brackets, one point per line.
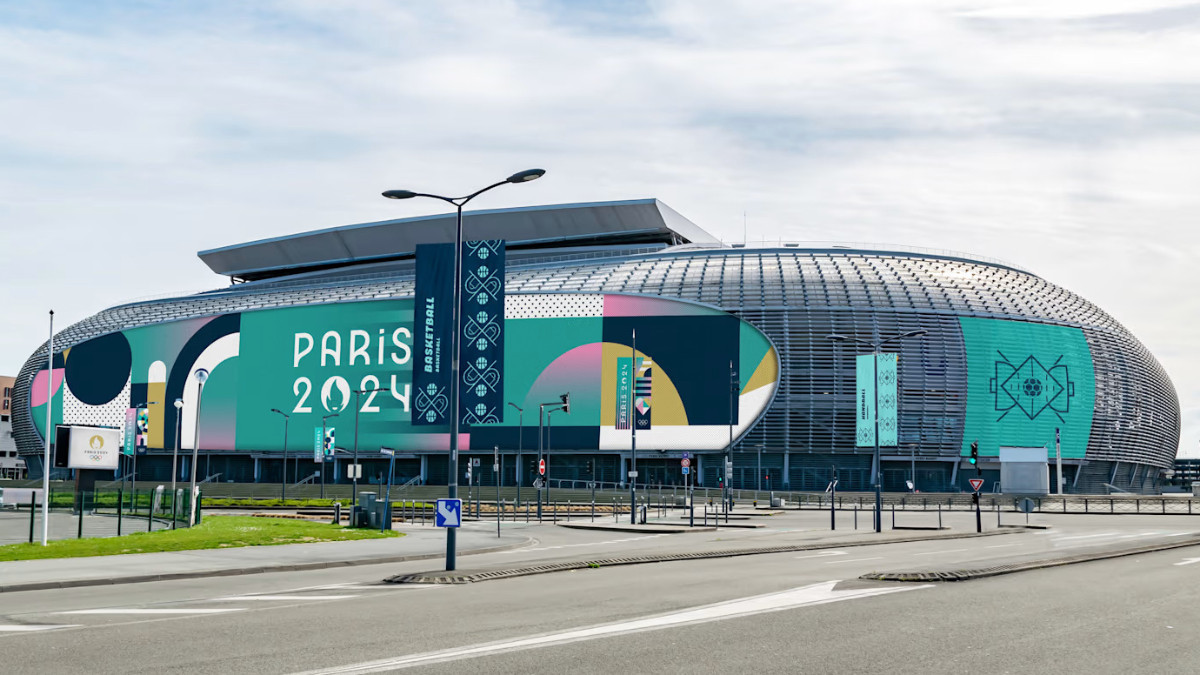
[197, 607]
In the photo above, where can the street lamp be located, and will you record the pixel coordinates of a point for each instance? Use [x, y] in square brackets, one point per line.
[355, 470]
[458, 202]
[520, 443]
[325, 417]
[875, 464]
[283, 479]
[201, 376]
[175, 459]
[133, 477]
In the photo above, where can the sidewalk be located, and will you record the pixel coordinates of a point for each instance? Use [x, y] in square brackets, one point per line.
[418, 544]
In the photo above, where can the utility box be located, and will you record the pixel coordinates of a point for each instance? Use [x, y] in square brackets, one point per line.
[1025, 471]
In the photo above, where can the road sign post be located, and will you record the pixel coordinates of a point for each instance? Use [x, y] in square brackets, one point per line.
[448, 513]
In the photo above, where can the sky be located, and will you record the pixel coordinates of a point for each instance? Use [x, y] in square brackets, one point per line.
[1061, 136]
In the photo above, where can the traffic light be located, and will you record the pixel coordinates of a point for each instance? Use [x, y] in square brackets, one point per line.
[566, 402]
[974, 453]
[975, 498]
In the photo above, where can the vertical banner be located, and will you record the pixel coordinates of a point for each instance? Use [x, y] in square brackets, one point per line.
[482, 337]
[143, 429]
[330, 444]
[641, 392]
[433, 312]
[864, 435]
[130, 430]
[624, 390]
[888, 401]
[318, 445]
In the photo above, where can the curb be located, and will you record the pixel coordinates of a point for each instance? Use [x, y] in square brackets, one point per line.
[985, 572]
[509, 573]
[238, 571]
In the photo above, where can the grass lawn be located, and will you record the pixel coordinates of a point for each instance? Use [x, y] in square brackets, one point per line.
[212, 532]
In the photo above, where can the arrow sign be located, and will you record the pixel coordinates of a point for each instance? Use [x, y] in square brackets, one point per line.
[1188, 561]
[449, 513]
[976, 483]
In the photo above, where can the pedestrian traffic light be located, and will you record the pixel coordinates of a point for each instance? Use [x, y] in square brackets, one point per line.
[566, 402]
[974, 453]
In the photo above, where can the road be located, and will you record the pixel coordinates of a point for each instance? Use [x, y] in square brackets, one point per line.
[785, 612]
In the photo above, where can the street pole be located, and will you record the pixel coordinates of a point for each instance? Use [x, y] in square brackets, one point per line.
[548, 504]
[726, 491]
[633, 431]
[324, 431]
[541, 415]
[456, 316]
[357, 409]
[497, 474]
[283, 476]
[520, 441]
[387, 500]
[46, 461]
[175, 461]
[878, 482]
[201, 376]
[1058, 458]
[832, 496]
[759, 488]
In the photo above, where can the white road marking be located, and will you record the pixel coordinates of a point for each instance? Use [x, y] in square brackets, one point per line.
[823, 554]
[953, 550]
[1000, 546]
[30, 629]
[816, 594]
[838, 562]
[1085, 536]
[590, 543]
[1187, 561]
[154, 610]
[237, 598]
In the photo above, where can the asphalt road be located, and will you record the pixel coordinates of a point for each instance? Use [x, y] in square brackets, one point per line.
[767, 613]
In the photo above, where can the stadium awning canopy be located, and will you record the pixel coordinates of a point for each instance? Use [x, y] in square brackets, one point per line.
[600, 223]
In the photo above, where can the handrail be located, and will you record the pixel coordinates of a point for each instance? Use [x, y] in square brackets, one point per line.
[1110, 486]
[307, 479]
[209, 479]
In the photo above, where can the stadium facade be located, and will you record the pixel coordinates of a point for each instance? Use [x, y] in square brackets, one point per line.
[738, 338]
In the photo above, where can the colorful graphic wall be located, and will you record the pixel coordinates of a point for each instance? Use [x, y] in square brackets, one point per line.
[307, 361]
[1025, 380]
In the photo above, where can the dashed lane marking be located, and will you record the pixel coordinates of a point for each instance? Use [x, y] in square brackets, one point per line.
[31, 628]
[953, 550]
[839, 561]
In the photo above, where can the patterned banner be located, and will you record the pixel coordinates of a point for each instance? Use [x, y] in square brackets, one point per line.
[641, 392]
[130, 430]
[888, 426]
[143, 430]
[482, 332]
[624, 390]
[432, 330]
[864, 435]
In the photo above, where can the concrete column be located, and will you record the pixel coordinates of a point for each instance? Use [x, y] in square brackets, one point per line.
[256, 469]
[787, 458]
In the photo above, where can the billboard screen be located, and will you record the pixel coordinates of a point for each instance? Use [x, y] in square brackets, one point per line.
[94, 448]
[318, 362]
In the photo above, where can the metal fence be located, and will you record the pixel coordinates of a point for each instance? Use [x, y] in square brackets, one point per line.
[97, 513]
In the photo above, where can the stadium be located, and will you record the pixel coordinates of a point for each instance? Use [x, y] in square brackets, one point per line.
[750, 350]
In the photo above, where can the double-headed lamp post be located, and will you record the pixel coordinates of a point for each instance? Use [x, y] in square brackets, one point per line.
[876, 468]
[456, 282]
[283, 479]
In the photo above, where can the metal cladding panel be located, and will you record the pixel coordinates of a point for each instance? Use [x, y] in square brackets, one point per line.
[390, 238]
[797, 297]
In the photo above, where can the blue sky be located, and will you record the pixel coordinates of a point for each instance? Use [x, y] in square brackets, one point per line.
[1059, 136]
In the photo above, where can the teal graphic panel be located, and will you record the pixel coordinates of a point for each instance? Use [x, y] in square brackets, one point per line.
[887, 401]
[1023, 381]
[865, 400]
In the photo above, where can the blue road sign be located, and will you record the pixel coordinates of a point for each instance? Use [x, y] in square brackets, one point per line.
[449, 513]
[687, 455]
[687, 470]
